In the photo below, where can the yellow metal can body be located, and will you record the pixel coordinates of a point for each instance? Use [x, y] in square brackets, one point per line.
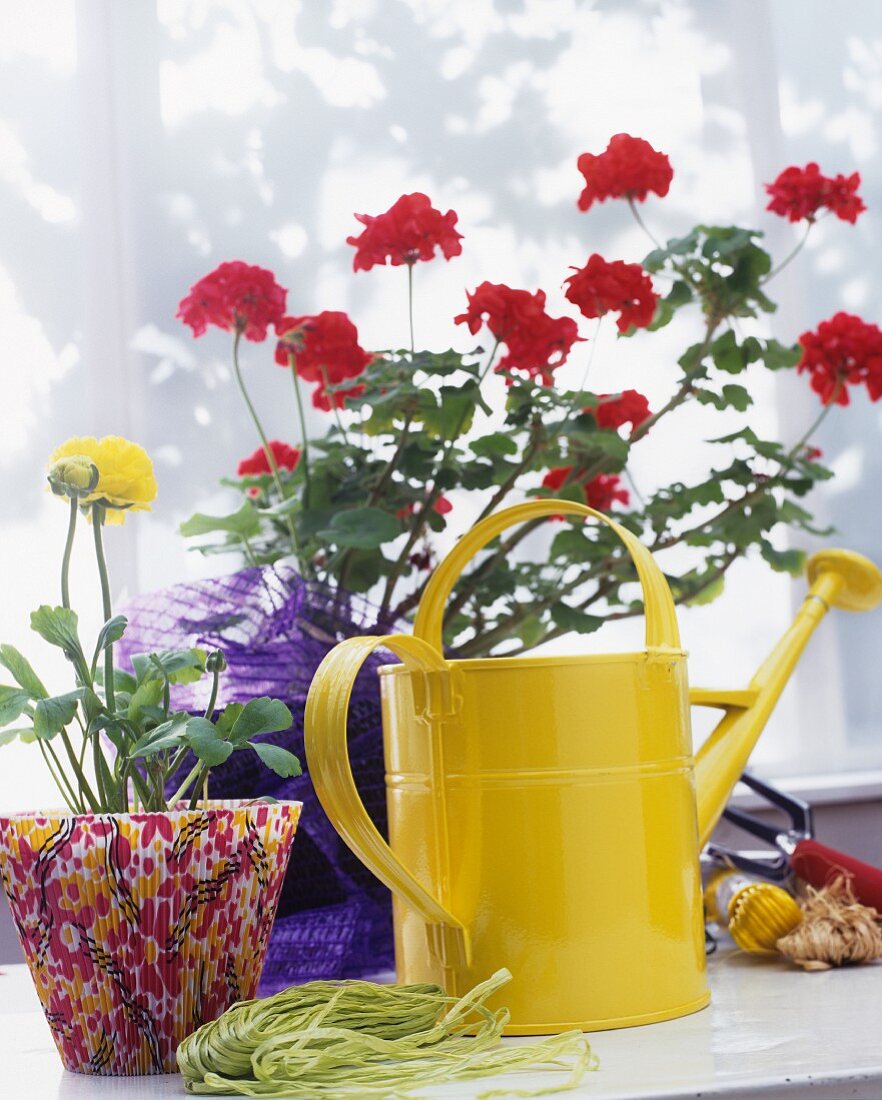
[552, 809]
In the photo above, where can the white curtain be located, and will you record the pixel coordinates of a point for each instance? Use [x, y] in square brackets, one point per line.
[143, 143]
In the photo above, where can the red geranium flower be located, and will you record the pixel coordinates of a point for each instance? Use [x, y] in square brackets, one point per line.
[800, 193]
[630, 407]
[286, 458]
[410, 230]
[843, 351]
[442, 506]
[602, 286]
[629, 168]
[236, 297]
[536, 343]
[326, 351]
[601, 492]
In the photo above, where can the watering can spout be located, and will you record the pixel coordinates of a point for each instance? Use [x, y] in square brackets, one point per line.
[837, 578]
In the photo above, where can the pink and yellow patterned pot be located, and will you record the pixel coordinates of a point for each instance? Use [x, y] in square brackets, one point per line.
[139, 927]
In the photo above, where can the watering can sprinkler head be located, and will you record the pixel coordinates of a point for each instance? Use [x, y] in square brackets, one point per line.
[837, 578]
[853, 582]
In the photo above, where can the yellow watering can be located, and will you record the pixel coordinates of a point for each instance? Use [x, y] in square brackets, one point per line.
[543, 813]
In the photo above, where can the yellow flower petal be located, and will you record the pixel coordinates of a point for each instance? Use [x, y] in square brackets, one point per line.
[125, 483]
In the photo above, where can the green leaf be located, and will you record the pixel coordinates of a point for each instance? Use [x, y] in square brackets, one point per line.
[783, 561]
[452, 415]
[727, 354]
[531, 630]
[58, 626]
[205, 740]
[776, 356]
[277, 759]
[245, 523]
[169, 735]
[228, 717]
[258, 716]
[570, 618]
[53, 714]
[22, 672]
[146, 694]
[363, 528]
[181, 666]
[708, 594]
[573, 545]
[495, 445]
[21, 733]
[111, 632]
[13, 702]
[737, 397]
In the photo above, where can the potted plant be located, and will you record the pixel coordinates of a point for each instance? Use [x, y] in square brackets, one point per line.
[142, 912]
[346, 521]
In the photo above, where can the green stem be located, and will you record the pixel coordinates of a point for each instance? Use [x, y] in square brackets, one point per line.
[642, 223]
[59, 778]
[790, 255]
[212, 698]
[304, 438]
[97, 524]
[191, 775]
[68, 548]
[410, 306]
[332, 401]
[249, 551]
[267, 450]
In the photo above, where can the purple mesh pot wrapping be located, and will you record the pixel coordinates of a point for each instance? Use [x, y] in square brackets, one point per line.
[334, 919]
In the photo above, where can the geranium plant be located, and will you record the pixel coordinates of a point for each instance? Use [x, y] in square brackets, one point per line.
[114, 742]
[359, 507]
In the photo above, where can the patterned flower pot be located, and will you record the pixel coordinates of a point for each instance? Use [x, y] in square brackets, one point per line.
[139, 927]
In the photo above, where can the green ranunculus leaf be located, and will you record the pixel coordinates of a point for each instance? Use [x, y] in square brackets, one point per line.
[147, 694]
[22, 733]
[258, 716]
[277, 759]
[245, 523]
[13, 701]
[181, 666]
[205, 740]
[58, 626]
[53, 714]
[362, 528]
[111, 632]
[228, 718]
[22, 672]
[169, 735]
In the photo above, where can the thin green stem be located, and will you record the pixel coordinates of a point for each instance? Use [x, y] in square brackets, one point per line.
[97, 525]
[304, 438]
[249, 551]
[267, 450]
[410, 306]
[332, 401]
[68, 548]
[212, 698]
[642, 223]
[59, 778]
[591, 352]
[792, 254]
[191, 775]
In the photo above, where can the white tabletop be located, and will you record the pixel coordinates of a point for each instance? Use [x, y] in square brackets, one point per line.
[771, 1032]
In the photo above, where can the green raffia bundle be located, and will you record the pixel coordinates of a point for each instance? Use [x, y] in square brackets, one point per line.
[350, 1040]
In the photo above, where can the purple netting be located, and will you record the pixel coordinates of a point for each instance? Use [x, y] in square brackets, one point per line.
[334, 918]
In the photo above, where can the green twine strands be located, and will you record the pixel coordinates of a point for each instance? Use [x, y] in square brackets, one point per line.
[354, 1040]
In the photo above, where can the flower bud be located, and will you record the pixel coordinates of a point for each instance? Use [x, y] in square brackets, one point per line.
[216, 662]
[74, 476]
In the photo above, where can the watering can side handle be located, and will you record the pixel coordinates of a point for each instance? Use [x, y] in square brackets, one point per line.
[327, 759]
[662, 631]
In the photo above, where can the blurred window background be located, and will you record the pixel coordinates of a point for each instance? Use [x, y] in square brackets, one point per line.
[142, 144]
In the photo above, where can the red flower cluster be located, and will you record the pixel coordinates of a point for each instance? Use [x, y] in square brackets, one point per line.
[410, 230]
[630, 407]
[536, 343]
[601, 492]
[286, 458]
[629, 168]
[602, 286]
[236, 297]
[326, 351]
[800, 193]
[843, 351]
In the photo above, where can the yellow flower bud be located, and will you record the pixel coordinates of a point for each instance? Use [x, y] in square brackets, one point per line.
[75, 476]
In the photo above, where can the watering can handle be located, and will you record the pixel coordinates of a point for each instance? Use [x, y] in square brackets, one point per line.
[661, 618]
[328, 760]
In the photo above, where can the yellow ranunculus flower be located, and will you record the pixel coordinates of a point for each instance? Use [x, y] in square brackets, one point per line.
[125, 474]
